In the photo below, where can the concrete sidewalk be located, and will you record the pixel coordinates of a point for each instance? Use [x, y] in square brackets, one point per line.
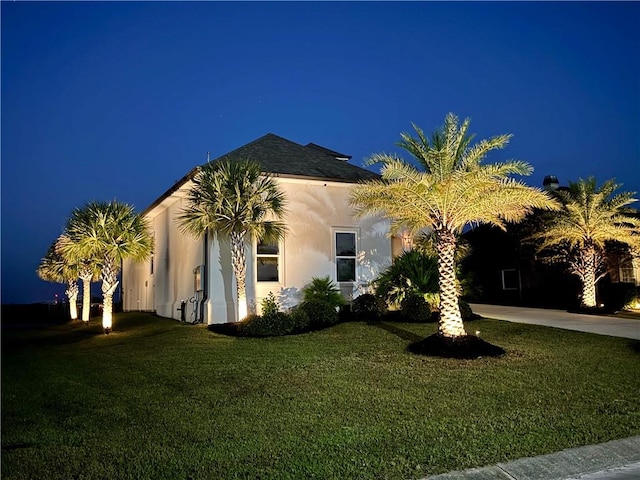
[600, 324]
[615, 460]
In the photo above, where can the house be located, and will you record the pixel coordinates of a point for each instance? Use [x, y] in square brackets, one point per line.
[193, 278]
[506, 269]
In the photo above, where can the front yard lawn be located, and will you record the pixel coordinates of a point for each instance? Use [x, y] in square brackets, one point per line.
[160, 399]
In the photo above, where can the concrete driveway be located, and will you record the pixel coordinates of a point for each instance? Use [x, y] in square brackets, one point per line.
[602, 325]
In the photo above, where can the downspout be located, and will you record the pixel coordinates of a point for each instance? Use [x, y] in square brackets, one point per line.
[206, 276]
[120, 289]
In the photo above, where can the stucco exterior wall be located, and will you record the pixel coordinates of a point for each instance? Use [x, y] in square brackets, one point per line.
[316, 210]
[137, 287]
[174, 259]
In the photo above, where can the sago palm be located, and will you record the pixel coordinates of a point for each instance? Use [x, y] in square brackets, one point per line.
[412, 273]
[590, 218]
[324, 289]
[235, 199]
[54, 267]
[452, 189]
[108, 232]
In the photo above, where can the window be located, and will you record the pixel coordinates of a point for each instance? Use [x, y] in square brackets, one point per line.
[627, 273]
[510, 279]
[345, 256]
[268, 260]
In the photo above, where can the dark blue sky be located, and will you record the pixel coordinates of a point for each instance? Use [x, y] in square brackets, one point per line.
[119, 100]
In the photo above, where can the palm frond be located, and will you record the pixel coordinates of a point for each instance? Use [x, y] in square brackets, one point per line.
[53, 267]
[232, 197]
[592, 216]
[454, 189]
[107, 231]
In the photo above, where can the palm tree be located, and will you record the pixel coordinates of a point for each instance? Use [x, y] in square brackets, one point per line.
[88, 271]
[108, 232]
[453, 190]
[590, 218]
[55, 268]
[235, 199]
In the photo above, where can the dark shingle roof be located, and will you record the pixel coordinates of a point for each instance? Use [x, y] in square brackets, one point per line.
[283, 157]
[333, 153]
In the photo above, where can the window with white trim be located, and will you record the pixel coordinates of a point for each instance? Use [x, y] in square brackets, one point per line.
[627, 273]
[345, 248]
[510, 279]
[267, 262]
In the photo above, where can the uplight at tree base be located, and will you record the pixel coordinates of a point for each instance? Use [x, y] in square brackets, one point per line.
[73, 310]
[106, 322]
[242, 308]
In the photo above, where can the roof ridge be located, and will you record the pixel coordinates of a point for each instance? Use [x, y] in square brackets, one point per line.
[266, 135]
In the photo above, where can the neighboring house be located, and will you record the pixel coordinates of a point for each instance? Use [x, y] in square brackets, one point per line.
[625, 268]
[629, 272]
[506, 270]
[323, 239]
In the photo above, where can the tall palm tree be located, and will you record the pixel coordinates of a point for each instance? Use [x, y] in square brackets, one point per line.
[108, 232]
[590, 218]
[88, 271]
[453, 189]
[235, 199]
[55, 268]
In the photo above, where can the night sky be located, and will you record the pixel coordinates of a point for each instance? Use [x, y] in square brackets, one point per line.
[105, 101]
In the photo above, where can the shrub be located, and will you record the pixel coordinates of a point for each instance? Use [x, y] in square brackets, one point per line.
[465, 311]
[311, 314]
[413, 272]
[433, 301]
[414, 308]
[248, 324]
[616, 296]
[270, 305]
[300, 320]
[271, 325]
[321, 313]
[323, 289]
[368, 307]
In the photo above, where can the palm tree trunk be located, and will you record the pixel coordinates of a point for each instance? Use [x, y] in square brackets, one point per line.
[450, 319]
[86, 295]
[239, 263]
[589, 279]
[109, 285]
[72, 295]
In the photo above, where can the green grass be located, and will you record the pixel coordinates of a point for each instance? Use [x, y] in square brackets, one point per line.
[159, 399]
